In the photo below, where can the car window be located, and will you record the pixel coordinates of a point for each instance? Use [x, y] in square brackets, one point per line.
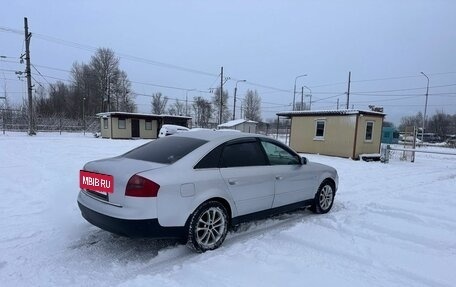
[243, 154]
[211, 160]
[165, 150]
[278, 155]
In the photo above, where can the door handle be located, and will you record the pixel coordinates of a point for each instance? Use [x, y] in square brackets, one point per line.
[278, 177]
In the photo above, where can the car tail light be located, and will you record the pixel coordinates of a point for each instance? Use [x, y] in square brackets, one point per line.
[139, 186]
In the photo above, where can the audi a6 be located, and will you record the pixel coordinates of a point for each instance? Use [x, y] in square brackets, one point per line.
[194, 186]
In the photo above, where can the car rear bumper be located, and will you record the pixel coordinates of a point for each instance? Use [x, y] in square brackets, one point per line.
[131, 227]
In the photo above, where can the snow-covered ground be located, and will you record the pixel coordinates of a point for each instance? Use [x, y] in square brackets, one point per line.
[392, 225]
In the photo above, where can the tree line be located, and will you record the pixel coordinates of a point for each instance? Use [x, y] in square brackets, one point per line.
[440, 123]
[102, 86]
[207, 111]
[98, 86]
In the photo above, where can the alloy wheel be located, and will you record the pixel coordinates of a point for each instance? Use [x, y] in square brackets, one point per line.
[326, 197]
[211, 227]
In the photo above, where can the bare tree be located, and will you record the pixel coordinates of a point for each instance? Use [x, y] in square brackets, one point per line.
[440, 124]
[123, 97]
[86, 88]
[101, 85]
[203, 111]
[178, 108]
[226, 115]
[411, 121]
[106, 67]
[58, 96]
[252, 106]
[159, 103]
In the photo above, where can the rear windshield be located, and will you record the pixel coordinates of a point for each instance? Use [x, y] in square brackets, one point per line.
[165, 150]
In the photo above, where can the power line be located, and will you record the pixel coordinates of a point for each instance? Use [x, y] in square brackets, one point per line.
[39, 83]
[328, 85]
[166, 87]
[51, 68]
[385, 100]
[9, 70]
[319, 100]
[399, 95]
[138, 59]
[385, 79]
[41, 75]
[15, 31]
[120, 55]
[265, 86]
[409, 89]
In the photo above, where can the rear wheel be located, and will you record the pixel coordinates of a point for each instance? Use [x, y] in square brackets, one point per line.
[208, 227]
[324, 198]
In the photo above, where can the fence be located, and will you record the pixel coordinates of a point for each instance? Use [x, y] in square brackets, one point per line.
[18, 122]
[388, 153]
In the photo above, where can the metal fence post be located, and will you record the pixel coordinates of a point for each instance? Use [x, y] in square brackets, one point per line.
[385, 153]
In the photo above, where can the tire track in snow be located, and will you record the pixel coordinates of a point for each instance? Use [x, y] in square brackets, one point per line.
[422, 217]
[411, 278]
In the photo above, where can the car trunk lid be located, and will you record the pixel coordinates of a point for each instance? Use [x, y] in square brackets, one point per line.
[122, 169]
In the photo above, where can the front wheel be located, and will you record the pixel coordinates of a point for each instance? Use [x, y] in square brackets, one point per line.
[208, 227]
[324, 198]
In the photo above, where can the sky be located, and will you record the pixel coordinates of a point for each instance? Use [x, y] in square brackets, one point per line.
[183, 44]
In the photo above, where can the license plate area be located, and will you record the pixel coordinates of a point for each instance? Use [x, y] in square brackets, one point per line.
[96, 183]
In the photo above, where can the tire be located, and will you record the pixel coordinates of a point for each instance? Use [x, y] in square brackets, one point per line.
[324, 198]
[208, 227]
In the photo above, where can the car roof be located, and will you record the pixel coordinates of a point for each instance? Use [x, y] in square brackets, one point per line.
[216, 135]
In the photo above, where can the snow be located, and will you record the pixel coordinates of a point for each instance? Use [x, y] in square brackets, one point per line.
[391, 225]
[328, 112]
[234, 123]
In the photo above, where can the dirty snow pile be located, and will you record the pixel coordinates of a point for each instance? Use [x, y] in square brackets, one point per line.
[392, 225]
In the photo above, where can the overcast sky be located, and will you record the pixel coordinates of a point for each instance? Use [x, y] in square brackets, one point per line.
[385, 44]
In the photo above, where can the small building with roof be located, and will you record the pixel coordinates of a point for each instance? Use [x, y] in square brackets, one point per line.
[123, 125]
[344, 133]
[390, 135]
[242, 125]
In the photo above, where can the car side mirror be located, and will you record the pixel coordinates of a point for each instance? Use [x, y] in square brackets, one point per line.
[303, 160]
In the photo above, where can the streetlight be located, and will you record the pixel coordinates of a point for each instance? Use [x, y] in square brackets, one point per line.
[235, 91]
[425, 107]
[294, 89]
[310, 102]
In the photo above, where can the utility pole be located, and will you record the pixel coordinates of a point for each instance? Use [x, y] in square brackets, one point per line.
[221, 96]
[234, 105]
[337, 103]
[235, 91]
[348, 91]
[310, 95]
[29, 78]
[186, 100]
[302, 99]
[294, 90]
[425, 107]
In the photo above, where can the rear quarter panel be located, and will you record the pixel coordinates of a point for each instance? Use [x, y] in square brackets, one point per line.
[183, 190]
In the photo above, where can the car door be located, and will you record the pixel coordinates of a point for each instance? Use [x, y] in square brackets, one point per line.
[248, 177]
[294, 181]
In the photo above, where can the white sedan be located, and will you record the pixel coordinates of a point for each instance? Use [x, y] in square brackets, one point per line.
[196, 185]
